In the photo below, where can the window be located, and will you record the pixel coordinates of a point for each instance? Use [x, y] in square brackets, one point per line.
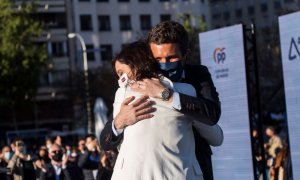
[277, 5]
[238, 12]
[250, 10]
[53, 20]
[123, 0]
[86, 23]
[144, 0]
[164, 0]
[145, 22]
[264, 7]
[55, 77]
[226, 15]
[216, 15]
[90, 52]
[58, 49]
[104, 23]
[125, 23]
[106, 52]
[165, 17]
[102, 0]
[84, 0]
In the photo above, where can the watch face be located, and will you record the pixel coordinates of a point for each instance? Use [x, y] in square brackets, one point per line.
[165, 94]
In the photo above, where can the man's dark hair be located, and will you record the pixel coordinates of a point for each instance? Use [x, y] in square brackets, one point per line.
[139, 58]
[272, 128]
[169, 32]
[92, 136]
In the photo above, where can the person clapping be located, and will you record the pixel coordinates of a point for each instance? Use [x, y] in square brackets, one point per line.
[57, 168]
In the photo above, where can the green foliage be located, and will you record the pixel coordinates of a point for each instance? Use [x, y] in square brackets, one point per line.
[193, 32]
[20, 57]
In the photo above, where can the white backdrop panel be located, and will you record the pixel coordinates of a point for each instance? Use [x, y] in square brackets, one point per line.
[290, 51]
[222, 51]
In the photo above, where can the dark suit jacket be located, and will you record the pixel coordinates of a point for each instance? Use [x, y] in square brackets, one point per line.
[205, 108]
[50, 174]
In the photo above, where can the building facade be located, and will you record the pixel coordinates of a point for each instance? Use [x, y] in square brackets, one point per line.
[107, 25]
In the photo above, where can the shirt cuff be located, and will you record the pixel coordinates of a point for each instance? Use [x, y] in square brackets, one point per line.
[116, 132]
[176, 101]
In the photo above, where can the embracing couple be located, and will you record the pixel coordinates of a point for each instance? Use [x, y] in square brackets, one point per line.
[165, 111]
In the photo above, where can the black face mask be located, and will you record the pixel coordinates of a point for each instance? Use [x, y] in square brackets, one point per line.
[172, 70]
[57, 157]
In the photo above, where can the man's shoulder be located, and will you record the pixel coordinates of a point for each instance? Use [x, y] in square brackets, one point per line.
[195, 68]
[196, 71]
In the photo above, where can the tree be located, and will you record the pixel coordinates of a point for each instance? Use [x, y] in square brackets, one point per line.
[193, 33]
[21, 58]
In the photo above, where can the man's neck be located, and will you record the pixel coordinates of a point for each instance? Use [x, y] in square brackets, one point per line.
[54, 163]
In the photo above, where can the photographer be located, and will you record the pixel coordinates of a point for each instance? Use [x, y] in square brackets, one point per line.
[21, 165]
[89, 159]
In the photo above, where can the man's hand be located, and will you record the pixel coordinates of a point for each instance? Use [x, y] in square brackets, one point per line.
[151, 87]
[39, 164]
[132, 113]
[64, 161]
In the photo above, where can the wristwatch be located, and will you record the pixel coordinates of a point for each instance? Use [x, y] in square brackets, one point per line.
[166, 94]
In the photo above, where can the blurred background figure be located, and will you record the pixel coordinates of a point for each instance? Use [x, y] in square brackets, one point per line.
[107, 160]
[41, 160]
[89, 159]
[56, 169]
[257, 154]
[5, 156]
[73, 154]
[21, 166]
[58, 140]
[81, 145]
[49, 143]
[272, 147]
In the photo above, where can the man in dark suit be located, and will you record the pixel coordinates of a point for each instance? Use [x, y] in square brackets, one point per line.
[57, 168]
[169, 44]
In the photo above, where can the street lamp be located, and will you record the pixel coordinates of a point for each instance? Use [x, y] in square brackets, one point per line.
[86, 79]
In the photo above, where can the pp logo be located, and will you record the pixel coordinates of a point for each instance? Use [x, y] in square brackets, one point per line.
[219, 55]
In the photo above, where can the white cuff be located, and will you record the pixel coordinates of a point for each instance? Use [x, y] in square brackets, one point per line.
[116, 132]
[176, 101]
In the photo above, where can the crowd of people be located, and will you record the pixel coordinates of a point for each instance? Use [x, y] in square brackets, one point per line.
[55, 160]
[276, 158]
